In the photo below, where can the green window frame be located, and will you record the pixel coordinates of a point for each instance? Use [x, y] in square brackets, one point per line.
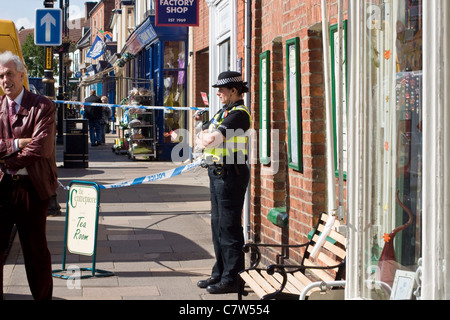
[264, 108]
[333, 45]
[294, 99]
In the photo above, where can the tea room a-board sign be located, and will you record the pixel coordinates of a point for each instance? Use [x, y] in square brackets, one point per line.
[82, 208]
[82, 218]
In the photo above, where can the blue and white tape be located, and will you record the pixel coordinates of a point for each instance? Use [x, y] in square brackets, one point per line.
[153, 177]
[125, 106]
[150, 178]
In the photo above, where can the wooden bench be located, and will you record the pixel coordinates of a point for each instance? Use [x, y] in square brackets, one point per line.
[323, 260]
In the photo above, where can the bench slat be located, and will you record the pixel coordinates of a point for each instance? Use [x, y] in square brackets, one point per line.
[271, 279]
[279, 278]
[289, 288]
[301, 281]
[304, 280]
[253, 284]
[325, 218]
[321, 274]
[338, 237]
[333, 234]
[295, 282]
[262, 281]
[330, 247]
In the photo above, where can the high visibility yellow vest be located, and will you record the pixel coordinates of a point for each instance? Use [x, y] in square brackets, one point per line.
[236, 144]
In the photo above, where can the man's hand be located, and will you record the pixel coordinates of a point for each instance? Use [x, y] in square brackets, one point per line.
[22, 143]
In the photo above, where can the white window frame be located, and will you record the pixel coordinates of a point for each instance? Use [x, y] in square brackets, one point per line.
[220, 30]
[435, 276]
[436, 153]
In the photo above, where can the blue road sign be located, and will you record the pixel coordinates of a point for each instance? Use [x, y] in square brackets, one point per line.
[48, 30]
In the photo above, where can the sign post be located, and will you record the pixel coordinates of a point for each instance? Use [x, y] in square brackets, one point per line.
[83, 201]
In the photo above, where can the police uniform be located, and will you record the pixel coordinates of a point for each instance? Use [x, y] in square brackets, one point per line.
[229, 177]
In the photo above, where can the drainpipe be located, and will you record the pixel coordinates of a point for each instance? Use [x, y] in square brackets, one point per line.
[248, 66]
[331, 185]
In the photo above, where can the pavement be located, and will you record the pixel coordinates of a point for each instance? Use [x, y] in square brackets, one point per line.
[154, 238]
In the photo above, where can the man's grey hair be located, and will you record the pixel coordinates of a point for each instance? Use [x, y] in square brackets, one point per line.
[8, 56]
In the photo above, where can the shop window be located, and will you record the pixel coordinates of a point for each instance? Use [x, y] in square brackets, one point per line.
[393, 85]
[174, 90]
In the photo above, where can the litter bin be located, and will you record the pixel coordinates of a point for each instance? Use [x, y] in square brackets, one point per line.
[76, 152]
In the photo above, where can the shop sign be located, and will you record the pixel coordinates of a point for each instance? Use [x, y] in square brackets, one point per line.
[177, 13]
[82, 218]
[205, 98]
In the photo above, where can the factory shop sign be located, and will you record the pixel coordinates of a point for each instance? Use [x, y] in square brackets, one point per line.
[177, 13]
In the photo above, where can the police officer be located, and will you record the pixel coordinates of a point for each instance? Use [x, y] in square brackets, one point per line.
[224, 143]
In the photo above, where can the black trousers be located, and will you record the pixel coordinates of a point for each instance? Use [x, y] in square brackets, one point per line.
[21, 205]
[228, 187]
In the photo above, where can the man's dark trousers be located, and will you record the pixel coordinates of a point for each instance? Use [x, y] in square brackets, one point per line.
[21, 205]
[228, 187]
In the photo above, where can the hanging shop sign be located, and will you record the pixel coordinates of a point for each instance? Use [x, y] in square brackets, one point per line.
[177, 13]
[143, 35]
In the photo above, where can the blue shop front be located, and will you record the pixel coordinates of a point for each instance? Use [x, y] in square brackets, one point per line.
[159, 55]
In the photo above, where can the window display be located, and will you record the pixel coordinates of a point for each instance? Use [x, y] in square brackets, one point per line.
[174, 90]
[394, 84]
[142, 135]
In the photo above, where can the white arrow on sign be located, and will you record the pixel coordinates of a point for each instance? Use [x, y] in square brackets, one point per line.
[48, 20]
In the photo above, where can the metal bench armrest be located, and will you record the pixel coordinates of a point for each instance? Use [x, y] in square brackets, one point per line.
[321, 284]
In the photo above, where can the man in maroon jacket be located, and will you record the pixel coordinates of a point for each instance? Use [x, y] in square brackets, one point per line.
[28, 176]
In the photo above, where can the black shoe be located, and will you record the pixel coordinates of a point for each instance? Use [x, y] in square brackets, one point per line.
[205, 283]
[221, 288]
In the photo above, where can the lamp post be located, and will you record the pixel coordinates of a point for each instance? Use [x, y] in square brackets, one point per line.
[64, 6]
[48, 80]
[49, 90]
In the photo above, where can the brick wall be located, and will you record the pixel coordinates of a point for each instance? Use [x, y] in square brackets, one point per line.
[303, 193]
[201, 55]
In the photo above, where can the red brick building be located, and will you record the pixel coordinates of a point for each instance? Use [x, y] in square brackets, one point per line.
[100, 16]
[301, 188]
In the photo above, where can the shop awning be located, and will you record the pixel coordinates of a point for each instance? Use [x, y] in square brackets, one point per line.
[147, 32]
[96, 77]
[143, 35]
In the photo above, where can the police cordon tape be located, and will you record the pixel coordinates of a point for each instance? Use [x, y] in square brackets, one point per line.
[150, 178]
[142, 180]
[126, 106]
